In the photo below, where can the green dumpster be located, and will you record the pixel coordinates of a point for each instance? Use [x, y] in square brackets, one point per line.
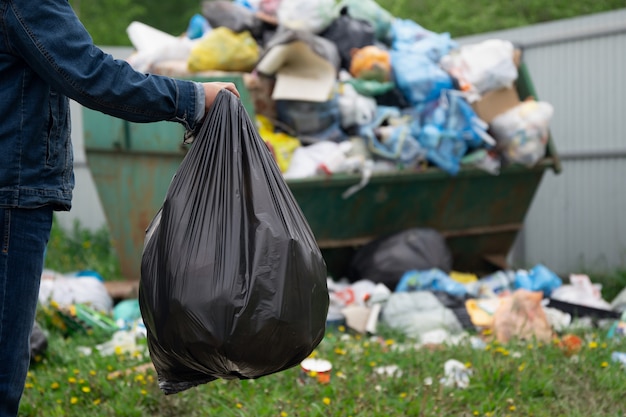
[479, 214]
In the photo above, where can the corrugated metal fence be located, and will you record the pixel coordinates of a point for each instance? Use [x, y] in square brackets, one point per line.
[577, 221]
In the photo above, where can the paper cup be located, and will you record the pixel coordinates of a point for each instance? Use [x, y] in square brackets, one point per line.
[315, 370]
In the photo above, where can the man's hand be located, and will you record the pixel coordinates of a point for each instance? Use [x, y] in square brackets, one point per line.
[213, 88]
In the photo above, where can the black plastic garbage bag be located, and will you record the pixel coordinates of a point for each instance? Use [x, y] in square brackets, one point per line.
[233, 284]
[386, 259]
[349, 33]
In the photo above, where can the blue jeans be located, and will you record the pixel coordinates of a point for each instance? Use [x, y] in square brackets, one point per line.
[24, 234]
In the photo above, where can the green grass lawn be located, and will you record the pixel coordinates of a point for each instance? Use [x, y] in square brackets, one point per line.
[522, 378]
[517, 379]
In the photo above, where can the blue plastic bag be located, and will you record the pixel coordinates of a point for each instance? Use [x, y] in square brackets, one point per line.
[447, 129]
[408, 36]
[419, 78]
[400, 146]
[539, 278]
[430, 280]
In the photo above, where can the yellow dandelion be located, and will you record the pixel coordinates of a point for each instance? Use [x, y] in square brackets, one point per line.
[511, 407]
[603, 345]
[150, 378]
[326, 400]
[340, 351]
[97, 401]
[283, 414]
[86, 244]
[239, 405]
[73, 400]
[389, 342]
[593, 344]
[139, 378]
[81, 381]
[486, 332]
[92, 373]
[28, 385]
[312, 374]
[71, 380]
[29, 374]
[530, 346]
[372, 364]
[341, 328]
[604, 364]
[109, 368]
[357, 337]
[488, 347]
[55, 385]
[76, 371]
[59, 401]
[521, 367]
[340, 374]
[143, 392]
[366, 344]
[403, 395]
[118, 350]
[476, 412]
[313, 354]
[468, 364]
[86, 390]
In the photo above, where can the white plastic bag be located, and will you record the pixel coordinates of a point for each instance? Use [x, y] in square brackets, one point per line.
[355, 109]
[522, 132]
[65, 290]
[482, 67]
[310, 15]
[154, 46]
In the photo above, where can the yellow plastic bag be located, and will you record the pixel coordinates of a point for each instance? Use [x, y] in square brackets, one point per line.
[224, 50]
[281, 144]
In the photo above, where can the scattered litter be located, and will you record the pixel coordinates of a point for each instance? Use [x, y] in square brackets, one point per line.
[390, 371]
[64, 290]
[313, 369]
[456, 374]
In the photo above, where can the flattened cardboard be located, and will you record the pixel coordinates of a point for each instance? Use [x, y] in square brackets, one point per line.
[494, 103]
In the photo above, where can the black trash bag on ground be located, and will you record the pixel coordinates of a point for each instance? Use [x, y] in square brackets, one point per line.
[38, 341]
[386, 259]
[233, 284]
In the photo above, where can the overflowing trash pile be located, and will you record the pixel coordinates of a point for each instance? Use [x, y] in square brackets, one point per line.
[347, 87]
[406, 282]
[415, 292]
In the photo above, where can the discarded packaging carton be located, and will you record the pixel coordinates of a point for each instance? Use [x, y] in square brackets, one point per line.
[494, 103]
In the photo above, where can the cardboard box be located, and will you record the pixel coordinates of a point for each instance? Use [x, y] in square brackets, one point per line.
[494, 103]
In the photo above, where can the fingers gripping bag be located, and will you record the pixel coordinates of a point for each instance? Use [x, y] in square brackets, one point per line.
[233, 284]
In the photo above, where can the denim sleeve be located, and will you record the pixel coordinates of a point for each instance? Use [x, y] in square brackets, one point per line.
[200, 97]
[49, 37]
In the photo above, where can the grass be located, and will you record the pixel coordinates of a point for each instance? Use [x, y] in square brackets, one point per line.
[521, 378]
[82, 249]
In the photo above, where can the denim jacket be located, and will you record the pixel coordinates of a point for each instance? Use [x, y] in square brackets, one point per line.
[46, 57]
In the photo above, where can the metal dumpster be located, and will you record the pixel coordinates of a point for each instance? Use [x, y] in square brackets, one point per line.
[478, 213]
